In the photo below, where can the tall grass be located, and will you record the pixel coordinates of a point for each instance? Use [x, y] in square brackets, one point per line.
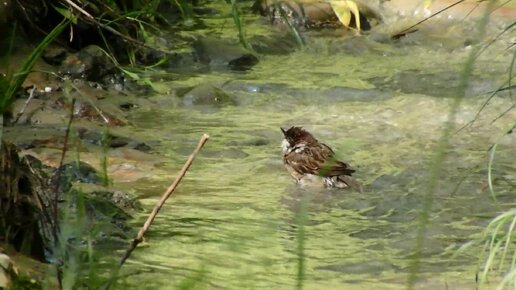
[436, 166]
[12, 83]
[16, 80]
[500, 244]
[239, 24]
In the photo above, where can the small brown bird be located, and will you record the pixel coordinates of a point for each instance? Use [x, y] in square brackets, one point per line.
[311, 163]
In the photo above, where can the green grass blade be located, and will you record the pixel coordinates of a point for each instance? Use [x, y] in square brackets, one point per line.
[18, 78]
[490, 170]
[440, 154]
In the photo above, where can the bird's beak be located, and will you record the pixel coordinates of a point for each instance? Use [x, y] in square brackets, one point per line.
[283, 130]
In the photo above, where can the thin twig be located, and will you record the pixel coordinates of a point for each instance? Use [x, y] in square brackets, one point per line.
[31, 95]
[504, 113]
[406, 30]
[71, 3]
[484, 105]
[159, 205]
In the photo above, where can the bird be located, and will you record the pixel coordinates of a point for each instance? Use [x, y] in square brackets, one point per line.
[312, 163]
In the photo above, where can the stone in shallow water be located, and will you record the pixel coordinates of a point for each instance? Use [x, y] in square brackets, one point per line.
[217, 53]
[74, 171]
[250, 142]
[228, 153]
[439, 84]
[366, 267]
[111, 140]
[207, 94]
[90, 63]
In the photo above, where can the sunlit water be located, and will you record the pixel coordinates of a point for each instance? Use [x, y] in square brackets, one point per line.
[233, 222]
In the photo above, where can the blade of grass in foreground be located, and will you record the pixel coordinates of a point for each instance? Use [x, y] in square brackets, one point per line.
[16, 80]
[238, 22]
[440, 153]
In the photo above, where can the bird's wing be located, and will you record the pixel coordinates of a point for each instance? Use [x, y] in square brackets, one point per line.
[318, 160]
[303, 161]
[332, 166]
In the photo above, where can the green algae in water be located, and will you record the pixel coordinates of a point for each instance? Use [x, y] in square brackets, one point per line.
[232, 223]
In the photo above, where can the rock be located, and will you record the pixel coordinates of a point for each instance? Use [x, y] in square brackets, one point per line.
[36, 111]
[101, 207]
[217, 53]
[105, 210]
[274, 43]
[330, 94]
[371, 267]
[314, 13]
[121, 199]
[73, 172]
[149, 56]
[112, 140]
[205, 11]
[101, 112]
[90, 63]
[54, 55]
[250, 142]
[440, 84]
[7, 271]
[207, 95]
[243, 63]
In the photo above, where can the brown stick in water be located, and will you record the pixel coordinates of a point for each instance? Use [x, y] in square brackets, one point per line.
[161, 202]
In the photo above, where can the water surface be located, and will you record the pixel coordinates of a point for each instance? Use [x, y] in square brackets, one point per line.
[232, 223]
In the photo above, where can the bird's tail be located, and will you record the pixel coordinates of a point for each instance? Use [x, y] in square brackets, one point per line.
[351, 183]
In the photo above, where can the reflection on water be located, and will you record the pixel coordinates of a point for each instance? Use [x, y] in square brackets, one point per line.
[232, 222]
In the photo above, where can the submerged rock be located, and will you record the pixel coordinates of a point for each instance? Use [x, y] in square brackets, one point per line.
[63, 177]
[89, 105]
[207, 95]
[121, 199]
[440, 84]
[215, 52]
[258, 141]
[54, 55]
[111, 140]
[90, 63]
[274, 43]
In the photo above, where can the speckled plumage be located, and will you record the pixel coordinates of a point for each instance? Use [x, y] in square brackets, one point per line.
[310, 162]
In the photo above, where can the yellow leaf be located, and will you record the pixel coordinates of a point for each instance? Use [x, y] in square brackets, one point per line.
[354, 9]
[343, 9]
[427, 4]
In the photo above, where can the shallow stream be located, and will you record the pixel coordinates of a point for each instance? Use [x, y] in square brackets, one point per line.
[233, 222]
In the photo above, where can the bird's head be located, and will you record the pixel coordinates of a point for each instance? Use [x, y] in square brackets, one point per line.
[295, 137]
